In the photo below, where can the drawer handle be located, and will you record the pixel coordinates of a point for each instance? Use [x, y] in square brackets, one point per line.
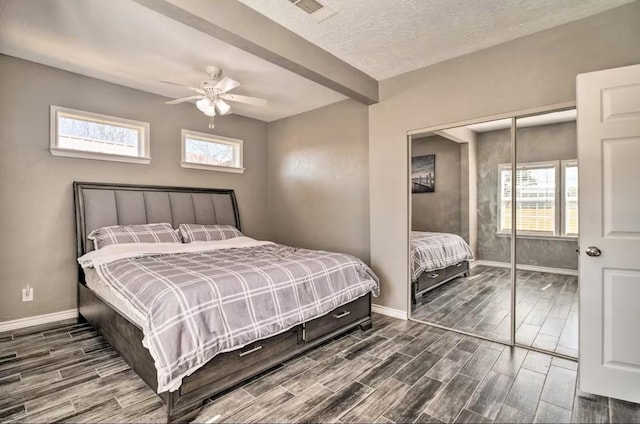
[341, 315]
[434, 275]
[255, 349]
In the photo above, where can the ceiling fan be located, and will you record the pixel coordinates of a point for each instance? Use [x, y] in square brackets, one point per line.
[213, 93]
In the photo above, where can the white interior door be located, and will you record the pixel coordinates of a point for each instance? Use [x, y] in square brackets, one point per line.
[609, 196]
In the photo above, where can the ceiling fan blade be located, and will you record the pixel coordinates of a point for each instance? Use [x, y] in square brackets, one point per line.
[244, 99]
[222, 106]
[183, 99]
[197, 90]
[227, 84]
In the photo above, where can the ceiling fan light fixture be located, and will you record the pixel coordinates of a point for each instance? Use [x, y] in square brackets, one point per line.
[222, 106]
[206, 106]
[203, 104]
[210, 112]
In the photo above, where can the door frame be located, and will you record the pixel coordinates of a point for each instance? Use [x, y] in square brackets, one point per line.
[513, 116]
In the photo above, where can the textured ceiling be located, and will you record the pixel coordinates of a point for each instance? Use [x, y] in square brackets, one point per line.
[122, 42]
[384, 38]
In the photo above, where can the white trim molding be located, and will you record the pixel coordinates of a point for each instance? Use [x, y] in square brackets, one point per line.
[37, 320]
[79, 154]
[535, 268]
[390, 312]
[206, 167]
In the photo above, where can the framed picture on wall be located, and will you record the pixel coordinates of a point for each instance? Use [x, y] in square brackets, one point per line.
[423, 174]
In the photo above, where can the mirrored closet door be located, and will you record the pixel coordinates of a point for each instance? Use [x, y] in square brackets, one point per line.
[546, 182]
[494, 227]
[460, 262]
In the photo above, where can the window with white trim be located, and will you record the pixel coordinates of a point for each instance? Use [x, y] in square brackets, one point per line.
[87, 135]
[211, 152]
[546, 199]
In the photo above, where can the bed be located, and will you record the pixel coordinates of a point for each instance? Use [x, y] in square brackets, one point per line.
[436, 258]
[195, 319]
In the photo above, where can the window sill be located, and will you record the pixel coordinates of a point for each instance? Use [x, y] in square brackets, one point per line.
[79, 154]
[540, 237]
[212, 167]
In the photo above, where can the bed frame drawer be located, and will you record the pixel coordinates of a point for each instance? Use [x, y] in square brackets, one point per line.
[233, 365]
[457, 268]
[431, 278]
[346, 314]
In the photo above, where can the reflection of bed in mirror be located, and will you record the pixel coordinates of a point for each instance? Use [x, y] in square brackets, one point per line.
[436, 259]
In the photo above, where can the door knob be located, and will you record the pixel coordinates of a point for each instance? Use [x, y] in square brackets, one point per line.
[593, 251]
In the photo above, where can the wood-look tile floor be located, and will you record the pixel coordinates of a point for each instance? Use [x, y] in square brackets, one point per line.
[546, 307]
[399, 372]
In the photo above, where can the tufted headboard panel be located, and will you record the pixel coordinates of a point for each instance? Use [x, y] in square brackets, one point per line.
[101, 205]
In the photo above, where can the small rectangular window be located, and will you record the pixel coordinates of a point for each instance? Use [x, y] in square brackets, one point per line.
[80, 134]
[211, 152]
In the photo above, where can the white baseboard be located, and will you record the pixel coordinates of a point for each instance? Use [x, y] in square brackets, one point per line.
[390, 312]
[561, 271]
[37, 320]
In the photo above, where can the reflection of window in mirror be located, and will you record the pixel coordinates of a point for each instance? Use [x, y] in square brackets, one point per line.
[546, 177]
[570, 198]
[537, 200]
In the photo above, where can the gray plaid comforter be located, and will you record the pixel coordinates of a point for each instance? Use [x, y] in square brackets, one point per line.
[200, 304]
[430, 251]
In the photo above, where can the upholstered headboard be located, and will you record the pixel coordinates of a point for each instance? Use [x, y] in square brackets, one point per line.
[101, 205]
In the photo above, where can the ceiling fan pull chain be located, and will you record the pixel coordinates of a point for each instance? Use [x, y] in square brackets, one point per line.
[211, 126]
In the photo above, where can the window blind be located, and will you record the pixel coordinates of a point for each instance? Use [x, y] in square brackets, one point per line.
[535, 199]
[571, 199]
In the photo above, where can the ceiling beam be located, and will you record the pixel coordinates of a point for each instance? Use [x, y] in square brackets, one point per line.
[459, 134]
[239, 25]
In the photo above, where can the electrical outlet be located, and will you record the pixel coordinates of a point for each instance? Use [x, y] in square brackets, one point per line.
[27, 294]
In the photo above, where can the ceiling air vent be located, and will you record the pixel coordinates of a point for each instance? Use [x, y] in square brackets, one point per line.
[314, 8]
[309, 6]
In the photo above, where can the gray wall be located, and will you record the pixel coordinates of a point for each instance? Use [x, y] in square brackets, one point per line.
[439, 211]
[319, 179]
[37, 222]
[534, 144]
[529, 72]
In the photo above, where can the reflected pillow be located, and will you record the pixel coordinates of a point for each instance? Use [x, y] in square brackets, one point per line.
[142, 233]
[197, 232]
